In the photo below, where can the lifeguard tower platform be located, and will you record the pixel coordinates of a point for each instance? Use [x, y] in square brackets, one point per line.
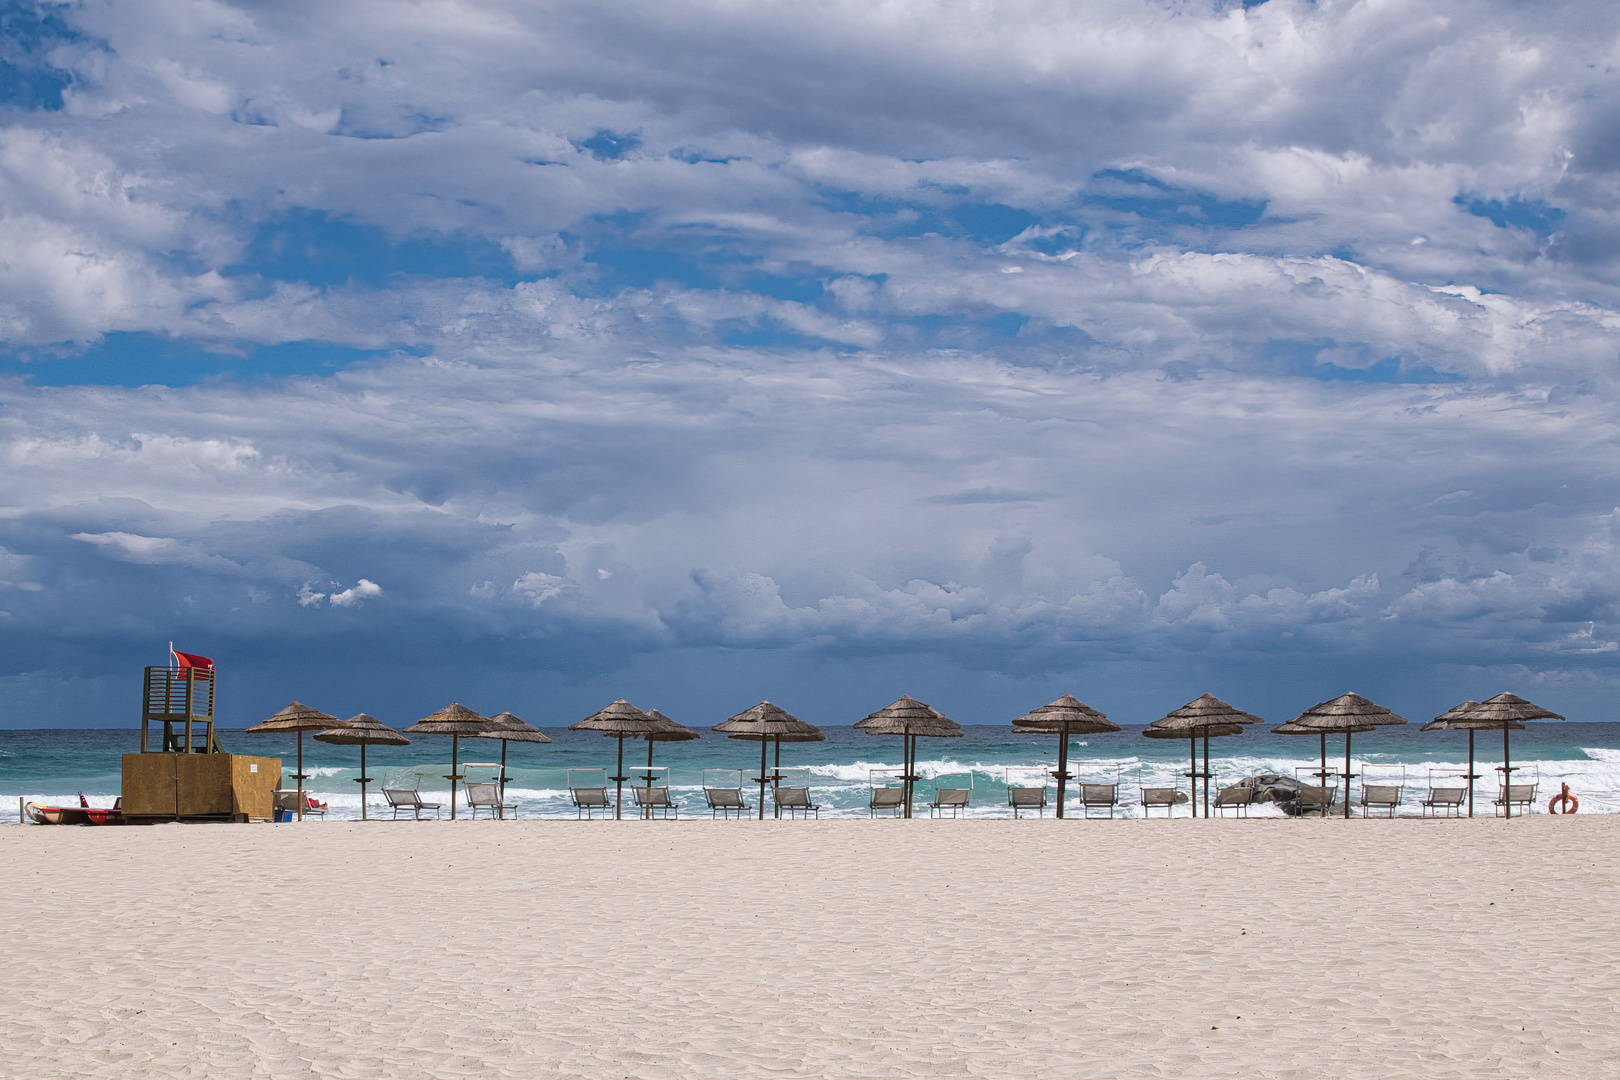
[182, 773]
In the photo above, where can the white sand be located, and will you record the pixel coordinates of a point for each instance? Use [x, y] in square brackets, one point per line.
[1028, 949]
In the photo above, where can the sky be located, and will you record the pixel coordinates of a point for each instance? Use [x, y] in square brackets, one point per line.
[534, 354]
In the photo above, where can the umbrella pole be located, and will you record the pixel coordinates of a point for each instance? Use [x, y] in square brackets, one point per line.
[363, 779]
[646, 811]
[1206, 772]
[1470, 772]
[455, 772]
[618, 785]
[1507, 774]
[764, 746]
[1347, 776]
[1063, 768]
[300, 774]
[776, 776]
[911, 768]
[1193, 773]
[501, 809]
[1321, 777]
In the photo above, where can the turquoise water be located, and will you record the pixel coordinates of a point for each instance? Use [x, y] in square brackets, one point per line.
[55, 765]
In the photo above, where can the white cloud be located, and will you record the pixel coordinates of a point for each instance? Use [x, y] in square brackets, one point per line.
[351, 596]
[977, 332]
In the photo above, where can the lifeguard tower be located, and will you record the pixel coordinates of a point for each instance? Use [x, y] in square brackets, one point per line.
[182, 772]
[181, 698]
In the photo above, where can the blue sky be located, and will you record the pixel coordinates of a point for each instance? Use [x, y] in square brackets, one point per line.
[537, 354]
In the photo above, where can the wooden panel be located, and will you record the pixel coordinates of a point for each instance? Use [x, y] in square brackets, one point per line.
[148, 789]
[255, 789]
[200, 786]
[203, 783]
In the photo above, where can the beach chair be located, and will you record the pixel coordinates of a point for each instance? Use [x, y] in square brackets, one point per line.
[726, 801]
[1099, 797]
[953, 799]
[1444, 801]
[485, 795]
[587, 790]
[1166, 797]
[288, 801]
[1520, 797]
[401, 799]
[1027, 798]
[1236, 799]
[794, 800]
[1385, 797]
[1315, 799]
[588, 800]
[892, 799]
[652, 801]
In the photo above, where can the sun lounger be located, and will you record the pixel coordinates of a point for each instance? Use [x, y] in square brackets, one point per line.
[409, 799]
[1385, 797]
[1237, 799]
[588, 800]
[655, 800]
[1315, 799]
[794, 800]
[288, 801]
[1166, 797]
[892, 799]
[725, 801]
[487, 796]
[953, 799]
[1098, 797]
[1520, 797]
[1445, 801]
[1027, 798]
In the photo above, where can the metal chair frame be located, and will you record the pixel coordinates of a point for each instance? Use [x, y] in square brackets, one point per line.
[414, 804]
[488, 798]
[798, 802]
[886, 796]
[1159, 796]
[955, 800]
[1022, 798]
[1091, 797]
[726, 801]
[289, 797]
[1511, 795]
[1241, 800]
[589, 797]
[1385, 797]
[652, 799]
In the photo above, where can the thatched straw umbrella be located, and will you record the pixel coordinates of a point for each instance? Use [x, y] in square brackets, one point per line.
[1453, 720]
[667, 731]
[1292, 728]
[620, 720]
[1064, 717]
[362, 730]
[300, 718]
[454, 720]
[1216, 731]
[1505, 711]
[911, 719]
[1346, 715]
[1206, 716]
[769, 723]
[510, 728]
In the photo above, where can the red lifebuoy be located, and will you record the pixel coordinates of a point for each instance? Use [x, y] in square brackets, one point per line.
[1564, 798]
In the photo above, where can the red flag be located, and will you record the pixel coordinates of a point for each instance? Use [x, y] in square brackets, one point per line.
[192, 660]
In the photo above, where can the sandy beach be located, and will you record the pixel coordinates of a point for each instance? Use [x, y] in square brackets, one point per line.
[802, 949]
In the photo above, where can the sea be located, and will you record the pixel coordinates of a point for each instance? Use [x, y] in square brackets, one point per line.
[55, 766]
